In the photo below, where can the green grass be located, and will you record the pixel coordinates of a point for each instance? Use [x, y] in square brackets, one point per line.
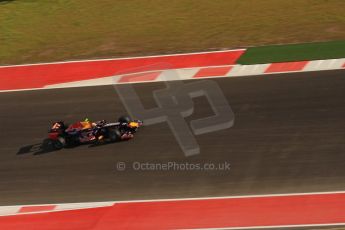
[295, 52]
[44, 30]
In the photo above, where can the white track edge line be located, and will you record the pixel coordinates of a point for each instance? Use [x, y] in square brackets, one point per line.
[192, 198]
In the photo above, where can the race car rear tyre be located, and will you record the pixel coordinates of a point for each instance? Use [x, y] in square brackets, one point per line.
[124, 119]
[114, 135]
[48, 145]
[60, 143]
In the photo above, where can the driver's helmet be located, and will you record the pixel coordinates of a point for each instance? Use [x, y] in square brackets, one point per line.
[86, 124]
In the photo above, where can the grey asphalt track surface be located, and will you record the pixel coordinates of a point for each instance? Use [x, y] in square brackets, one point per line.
[288, 136]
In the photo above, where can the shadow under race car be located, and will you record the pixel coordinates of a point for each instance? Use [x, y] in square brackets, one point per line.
[85, 132]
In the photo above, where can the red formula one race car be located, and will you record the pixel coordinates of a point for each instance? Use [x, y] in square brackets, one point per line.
[83, 132]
